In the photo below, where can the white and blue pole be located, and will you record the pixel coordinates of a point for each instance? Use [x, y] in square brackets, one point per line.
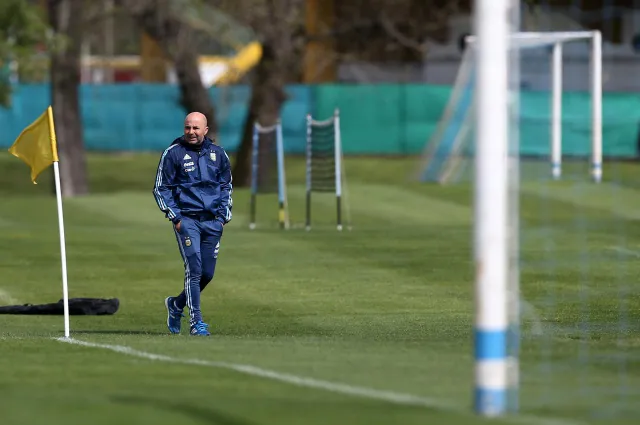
[337, 150]
[491, 207]
[596, 106]
[282, 197]
[556, 111]
[254, 176]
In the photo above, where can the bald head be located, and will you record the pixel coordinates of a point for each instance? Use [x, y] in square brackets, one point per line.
[195, 128]
[197, 116]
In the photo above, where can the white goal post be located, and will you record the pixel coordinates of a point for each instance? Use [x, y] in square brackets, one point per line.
[557, 39]
[496, 210]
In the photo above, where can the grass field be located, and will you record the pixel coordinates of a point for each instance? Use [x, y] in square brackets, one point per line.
[368, 326]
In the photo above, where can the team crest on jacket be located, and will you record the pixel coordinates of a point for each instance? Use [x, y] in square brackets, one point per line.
[212, 155]
[187, 242]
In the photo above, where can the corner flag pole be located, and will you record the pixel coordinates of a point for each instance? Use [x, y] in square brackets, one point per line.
[63, 253]
[37, 147]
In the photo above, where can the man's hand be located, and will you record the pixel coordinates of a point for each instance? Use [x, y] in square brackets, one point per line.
[178, 224]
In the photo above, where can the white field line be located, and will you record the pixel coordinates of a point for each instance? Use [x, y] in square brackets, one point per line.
[334, 387]
[394, 397]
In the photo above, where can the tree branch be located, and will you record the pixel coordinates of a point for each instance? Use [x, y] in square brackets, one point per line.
[405, 41]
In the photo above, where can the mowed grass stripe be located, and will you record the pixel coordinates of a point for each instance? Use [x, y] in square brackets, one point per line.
[347, 325]
[138, 248]
[396, 269]
[347, 328]
[336, 248]
[610, 198]
[156, 258]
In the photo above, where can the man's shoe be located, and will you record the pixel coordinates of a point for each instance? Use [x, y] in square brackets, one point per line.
[200, 329]
[174, 315]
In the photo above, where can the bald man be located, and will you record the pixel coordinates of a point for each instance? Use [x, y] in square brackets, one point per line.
[193, 189]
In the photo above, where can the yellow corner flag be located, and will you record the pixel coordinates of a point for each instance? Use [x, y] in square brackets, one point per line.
[36, 145]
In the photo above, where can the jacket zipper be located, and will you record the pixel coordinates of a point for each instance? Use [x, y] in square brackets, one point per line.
[200, 155]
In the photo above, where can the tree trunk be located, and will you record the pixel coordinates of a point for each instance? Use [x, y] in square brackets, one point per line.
[193, 95]
[282, 43]
[267, 97]
[65, 81]
[174, 37]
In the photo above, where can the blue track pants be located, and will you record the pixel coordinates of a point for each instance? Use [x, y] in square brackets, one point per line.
[199, 243]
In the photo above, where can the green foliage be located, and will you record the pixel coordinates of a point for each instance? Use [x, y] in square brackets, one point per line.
[23, 29]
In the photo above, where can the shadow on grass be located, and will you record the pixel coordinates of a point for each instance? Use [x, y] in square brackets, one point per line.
[206, 415]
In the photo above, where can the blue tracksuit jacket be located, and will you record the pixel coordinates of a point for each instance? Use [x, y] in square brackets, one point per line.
[194, 180]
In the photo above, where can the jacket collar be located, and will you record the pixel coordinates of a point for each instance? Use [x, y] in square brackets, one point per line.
[206, 144]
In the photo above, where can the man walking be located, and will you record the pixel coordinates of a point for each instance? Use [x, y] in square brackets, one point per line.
[193, 188]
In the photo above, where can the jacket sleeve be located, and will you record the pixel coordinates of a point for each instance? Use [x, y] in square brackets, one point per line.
[162, 190]
[226, 190]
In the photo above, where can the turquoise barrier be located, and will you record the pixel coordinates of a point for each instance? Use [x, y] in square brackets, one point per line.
[399, 119]
[148, 117]
[620, 121]
[391, 119]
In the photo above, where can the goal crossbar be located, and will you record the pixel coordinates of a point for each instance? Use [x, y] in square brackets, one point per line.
[557, 39]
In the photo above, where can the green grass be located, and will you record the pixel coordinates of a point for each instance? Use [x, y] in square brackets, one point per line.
[386, 306]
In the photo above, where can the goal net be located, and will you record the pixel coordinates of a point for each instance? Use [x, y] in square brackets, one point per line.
[557, 310]
[547, 111]
[268, 171]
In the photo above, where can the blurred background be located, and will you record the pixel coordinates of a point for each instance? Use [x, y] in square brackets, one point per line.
[122, 74]
[388, 306]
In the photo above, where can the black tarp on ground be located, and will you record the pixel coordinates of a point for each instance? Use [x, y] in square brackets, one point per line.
[77, 307]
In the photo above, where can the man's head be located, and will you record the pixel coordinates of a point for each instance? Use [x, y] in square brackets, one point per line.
[195, 128]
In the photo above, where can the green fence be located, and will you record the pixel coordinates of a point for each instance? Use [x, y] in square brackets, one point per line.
[398, 119]
[383, 119]
[392, 119]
